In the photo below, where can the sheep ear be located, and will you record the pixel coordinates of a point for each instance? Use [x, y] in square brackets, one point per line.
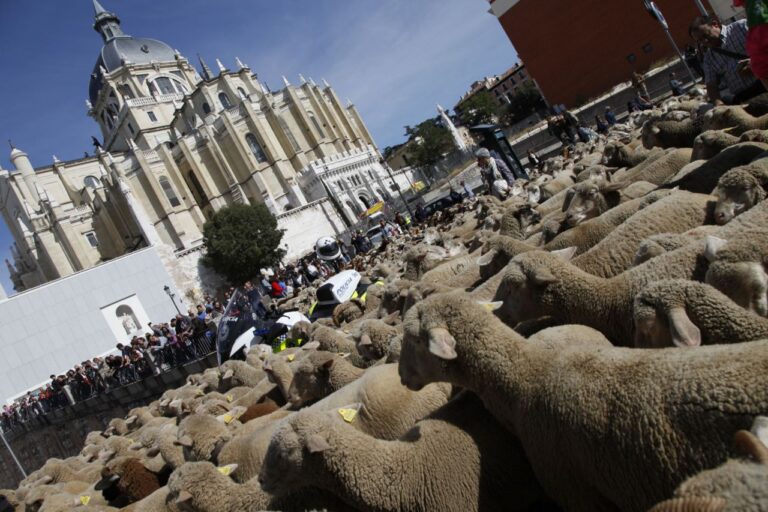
[365, 340]
[267, 366]
[317, 444]
[184, 441]
[153, 452]
[543, 277]
[391, 318]
[684, 332]
[46, 479]
[327, 364]
[183, 498]
[613, 186]
[487, 258]
[656, 130]
[228, 374]
[130, 420]
[760, 428]
[442, 344]
[747, 444]
[714, 244]
[565, 254]
[312, 345]
[136, 446]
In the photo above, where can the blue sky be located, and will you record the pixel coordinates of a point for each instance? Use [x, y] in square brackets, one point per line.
[395, 59]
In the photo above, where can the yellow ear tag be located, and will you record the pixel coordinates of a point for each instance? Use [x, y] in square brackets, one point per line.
[349, 415]
[224, 470]
[230, 398]
[199, 392]
[489, 306]
[228, 418]
[291, 357]
[85, 499]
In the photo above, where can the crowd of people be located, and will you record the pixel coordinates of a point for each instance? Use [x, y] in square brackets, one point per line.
[161, 347]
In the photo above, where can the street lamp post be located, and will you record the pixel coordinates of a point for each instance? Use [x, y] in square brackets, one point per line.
[702, 9]
[396, 186]
[171, 295]
[13, 455]
[654, 11]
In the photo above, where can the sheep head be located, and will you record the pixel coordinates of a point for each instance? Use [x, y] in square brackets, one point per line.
[587, 200]
[311, 377]
[201, 486]
[661, 318]
[737, 191]
[738, 269]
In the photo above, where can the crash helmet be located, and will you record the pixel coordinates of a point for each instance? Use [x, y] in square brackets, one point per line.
[327, 248]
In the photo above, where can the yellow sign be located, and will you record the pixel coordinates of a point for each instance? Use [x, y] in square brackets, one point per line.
[375, 208]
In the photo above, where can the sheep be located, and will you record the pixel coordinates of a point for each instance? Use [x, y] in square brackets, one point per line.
[158, 501]
[203, 487]
[586, 432]
[738, 268]
[589, 233]
[202, 437]
[393, 296]
[587, 200]
[704, 178]
[139, 416]
[570, 334]
[373, 338]
[320, 374]
[239, 373]
[676, 212]
[258, 410]
[537, 284]
[562, 180]
[517, 220]
[658, 171]
[709, 143]
[55, 471]
[739, 190]
[660, 243]
[484, 468]
[736, 486]
[129, 478]
[677, 312]
[666, 134]
[460, 272]
[735, 118]
[348, 311]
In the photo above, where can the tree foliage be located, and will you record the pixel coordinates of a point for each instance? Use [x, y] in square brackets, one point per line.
[526, 101]
[428, 142]
[240, 239]
[479, 109]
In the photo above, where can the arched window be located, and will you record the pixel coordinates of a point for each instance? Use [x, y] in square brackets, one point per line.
[127, 318]
[206, 108]
[353, 207]
[125, 90]
[224, 100]
[241, 92]
[256, 148]
[317, 124]
[166, 85]
[288, 134]
[365, 201]
[169, 192]
[91, 182]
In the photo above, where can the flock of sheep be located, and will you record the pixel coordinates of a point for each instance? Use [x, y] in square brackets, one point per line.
[595, 342]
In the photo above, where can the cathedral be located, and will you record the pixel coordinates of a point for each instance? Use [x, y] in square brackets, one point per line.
[179, 143]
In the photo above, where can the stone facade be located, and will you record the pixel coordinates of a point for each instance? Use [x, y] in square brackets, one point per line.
[177, 145]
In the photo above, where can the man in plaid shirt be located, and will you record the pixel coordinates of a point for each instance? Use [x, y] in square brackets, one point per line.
[726, 59]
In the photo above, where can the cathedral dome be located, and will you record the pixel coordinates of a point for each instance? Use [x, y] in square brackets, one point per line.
[120, 49]
[127, 50]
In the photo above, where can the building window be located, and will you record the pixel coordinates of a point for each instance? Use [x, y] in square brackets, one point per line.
[130, 129]
[206, 108]
[631, 58]
[126, 91]
[91, 182]
[92, 240]
[169, 192]
[241, 92]
[165, 85]
[370, 174]
[256, 148]
[197, 188]
[288, 134]
[316, 124]
[224, 100]
[647, 48]
[152, 116]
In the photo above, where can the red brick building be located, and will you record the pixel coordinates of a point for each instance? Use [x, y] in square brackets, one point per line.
[580, 49]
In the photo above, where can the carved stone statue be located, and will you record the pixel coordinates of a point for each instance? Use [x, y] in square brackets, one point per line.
[128, 324]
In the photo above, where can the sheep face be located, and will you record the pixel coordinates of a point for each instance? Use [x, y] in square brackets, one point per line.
[523, 290]
[491, 262]
[291, 450]
[310, 378]
[587, 200]
[746, 283]
[737, 191]
[661, 319]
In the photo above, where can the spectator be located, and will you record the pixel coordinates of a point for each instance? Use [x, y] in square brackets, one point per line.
[495, 173]
[533, 158]
[467, 190]
[601, 125]
[675, 85]
[638, 82]
[610, 117]
[725, 59]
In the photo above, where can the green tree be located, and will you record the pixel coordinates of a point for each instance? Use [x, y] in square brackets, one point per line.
[240, 239]
[428, 142]
[523, 103]
[479, 109]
